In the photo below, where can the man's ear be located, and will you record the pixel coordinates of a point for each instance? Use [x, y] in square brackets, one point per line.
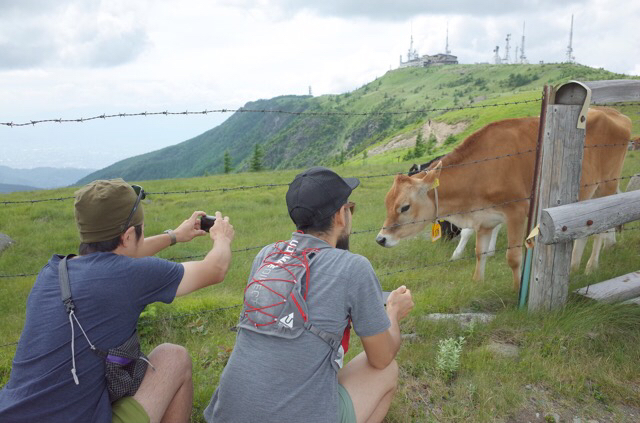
[339, 218]
[128, 237]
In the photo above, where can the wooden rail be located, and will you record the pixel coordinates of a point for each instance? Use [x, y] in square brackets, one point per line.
[578, 220]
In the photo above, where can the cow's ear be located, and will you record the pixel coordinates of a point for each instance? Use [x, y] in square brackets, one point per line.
[401, 177]
[432, 175]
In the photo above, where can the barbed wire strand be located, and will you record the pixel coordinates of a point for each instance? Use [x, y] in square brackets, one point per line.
[353, 233]
[246, 187]
[357, 232]
[286, 112]
[145, 320]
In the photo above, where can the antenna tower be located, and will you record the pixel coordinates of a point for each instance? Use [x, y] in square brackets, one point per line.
[570, 58]
[446, 49]
[506, 53]
[496, 56]
[523, 57]
[411, 54]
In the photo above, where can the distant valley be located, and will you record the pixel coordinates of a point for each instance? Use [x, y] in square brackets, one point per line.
[12, 180]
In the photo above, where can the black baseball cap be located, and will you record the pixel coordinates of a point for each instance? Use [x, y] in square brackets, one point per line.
[316, 194]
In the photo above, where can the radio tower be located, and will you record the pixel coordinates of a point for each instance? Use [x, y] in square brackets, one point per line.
[523, 57]
[411, 54]
[446, 49]
[506, 53]
[570, 58]
[496, 56]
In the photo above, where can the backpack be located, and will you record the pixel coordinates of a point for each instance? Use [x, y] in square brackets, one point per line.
[124, 365]
[275, 296]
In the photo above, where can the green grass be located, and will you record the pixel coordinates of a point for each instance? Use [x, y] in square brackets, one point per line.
[581, 361]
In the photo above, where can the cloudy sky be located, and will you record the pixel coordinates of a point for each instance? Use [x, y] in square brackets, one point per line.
[80, 58]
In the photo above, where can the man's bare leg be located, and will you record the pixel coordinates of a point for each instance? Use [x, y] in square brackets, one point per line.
[166, 393]
[371, 390]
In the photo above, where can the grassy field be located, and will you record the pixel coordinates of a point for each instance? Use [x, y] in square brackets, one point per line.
[582, 361]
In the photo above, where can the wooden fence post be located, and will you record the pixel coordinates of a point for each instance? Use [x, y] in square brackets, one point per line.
[562, 151]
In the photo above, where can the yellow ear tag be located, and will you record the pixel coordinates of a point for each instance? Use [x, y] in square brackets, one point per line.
[436, 183]
[436, 231]
[529, 242]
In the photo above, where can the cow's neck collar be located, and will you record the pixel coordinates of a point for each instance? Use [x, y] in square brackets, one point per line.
[435, 198]
[435, 193]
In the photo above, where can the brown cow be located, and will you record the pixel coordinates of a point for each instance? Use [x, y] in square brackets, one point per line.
[506, 181]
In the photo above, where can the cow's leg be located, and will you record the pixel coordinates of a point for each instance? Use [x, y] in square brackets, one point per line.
[599, 241]
[483, 239]
[494, 239]
[515, 236]
[576, 254]
[609, 238]
[465, 234]
[603, 239]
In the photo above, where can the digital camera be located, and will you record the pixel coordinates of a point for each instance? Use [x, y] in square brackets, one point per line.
[206, 222]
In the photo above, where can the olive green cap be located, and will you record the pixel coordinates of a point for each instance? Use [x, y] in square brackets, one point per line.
[102, 208]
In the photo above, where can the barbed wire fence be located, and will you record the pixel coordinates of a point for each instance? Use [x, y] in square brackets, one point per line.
[265, 186]
[275, 111]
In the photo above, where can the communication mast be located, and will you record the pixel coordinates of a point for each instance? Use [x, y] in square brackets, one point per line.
[496, 55]
[570, 58]
[412, 53]
[523, 57]
[506, 53]
[446, 49]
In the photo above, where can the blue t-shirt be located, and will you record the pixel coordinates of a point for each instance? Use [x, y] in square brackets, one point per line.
[109, 291]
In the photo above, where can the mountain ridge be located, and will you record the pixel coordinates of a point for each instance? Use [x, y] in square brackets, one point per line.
[300, 131]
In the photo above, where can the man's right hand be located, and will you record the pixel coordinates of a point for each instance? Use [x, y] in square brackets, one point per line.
[222, 230]
[400, 302]
[213, 268]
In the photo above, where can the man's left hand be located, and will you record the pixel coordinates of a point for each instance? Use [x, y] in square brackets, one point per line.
[190, 228]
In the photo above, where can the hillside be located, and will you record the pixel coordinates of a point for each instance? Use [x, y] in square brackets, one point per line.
[328, 136]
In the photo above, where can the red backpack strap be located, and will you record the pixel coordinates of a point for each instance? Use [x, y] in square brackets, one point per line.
[346, 337]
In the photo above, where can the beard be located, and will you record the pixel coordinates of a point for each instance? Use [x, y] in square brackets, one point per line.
[343, 242]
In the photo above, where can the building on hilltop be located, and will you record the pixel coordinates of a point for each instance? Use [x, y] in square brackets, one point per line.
[415, 60]
[426, 60]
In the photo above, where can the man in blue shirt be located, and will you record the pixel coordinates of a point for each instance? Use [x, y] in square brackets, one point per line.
[55, 376]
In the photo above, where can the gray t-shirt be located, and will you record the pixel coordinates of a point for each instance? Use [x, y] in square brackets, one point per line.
[272, 379]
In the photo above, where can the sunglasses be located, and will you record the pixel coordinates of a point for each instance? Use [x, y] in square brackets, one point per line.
[351, 206]
[141, 196]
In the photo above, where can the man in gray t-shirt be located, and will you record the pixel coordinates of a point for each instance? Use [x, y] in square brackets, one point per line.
[275, 379]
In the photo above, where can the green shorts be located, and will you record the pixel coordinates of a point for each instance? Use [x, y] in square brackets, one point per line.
[128, 410]
[345, 406]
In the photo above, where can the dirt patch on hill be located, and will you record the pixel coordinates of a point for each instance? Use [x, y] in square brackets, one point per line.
[441, 131]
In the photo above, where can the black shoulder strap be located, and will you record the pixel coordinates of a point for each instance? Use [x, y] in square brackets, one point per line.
[65, 287]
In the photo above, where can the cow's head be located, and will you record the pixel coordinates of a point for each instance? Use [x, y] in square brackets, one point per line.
[407, 202]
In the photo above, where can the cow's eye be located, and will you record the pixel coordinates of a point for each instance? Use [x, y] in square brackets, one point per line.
[405, 208]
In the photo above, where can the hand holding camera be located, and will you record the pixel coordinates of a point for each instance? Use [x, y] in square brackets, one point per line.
[206, 222]
[218, 227]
